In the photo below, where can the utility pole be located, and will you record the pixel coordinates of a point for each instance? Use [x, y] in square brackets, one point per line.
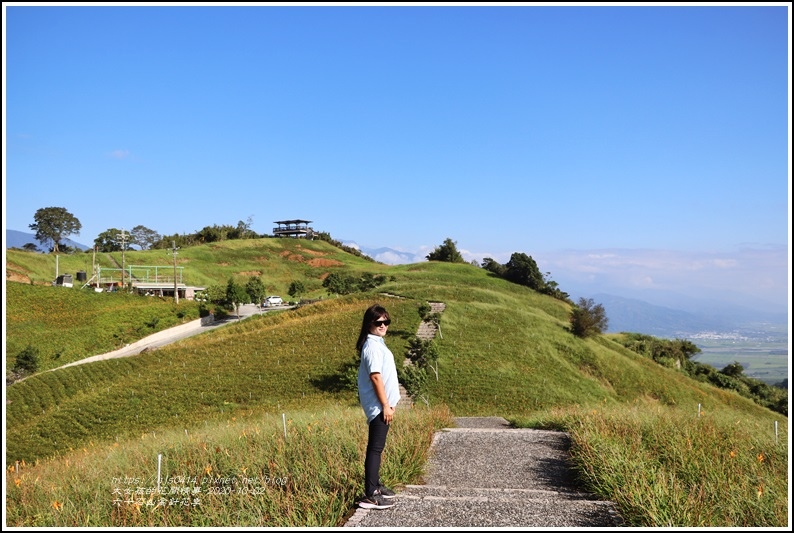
[176, 290]
[123, 240]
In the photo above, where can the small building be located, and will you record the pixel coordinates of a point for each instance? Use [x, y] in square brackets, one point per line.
[293, 228]
[64, 280]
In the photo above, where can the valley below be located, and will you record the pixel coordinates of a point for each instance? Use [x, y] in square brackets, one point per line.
[762, 350]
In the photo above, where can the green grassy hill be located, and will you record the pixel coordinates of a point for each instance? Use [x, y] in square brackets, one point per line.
[212, 401]
[278, 261]
[68, 324]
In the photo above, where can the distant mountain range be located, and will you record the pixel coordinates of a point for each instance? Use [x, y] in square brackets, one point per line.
[627, 314]
[18, 239]
[389, 256]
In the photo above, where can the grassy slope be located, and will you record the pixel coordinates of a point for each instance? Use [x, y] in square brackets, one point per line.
[505, 351]
[66, 325]
[70, 324]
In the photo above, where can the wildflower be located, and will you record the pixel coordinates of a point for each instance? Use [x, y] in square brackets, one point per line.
[760, 490]
[733, 454]
[761, 457]
[17, 481]
[57, 505]
[208, 469]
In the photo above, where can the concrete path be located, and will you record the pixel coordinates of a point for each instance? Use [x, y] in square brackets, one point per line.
[485, 474]
[167, 336]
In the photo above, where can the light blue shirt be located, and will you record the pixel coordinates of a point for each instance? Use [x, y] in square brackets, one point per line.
[376, 357]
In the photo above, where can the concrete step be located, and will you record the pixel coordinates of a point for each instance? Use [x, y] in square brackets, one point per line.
[508, 510]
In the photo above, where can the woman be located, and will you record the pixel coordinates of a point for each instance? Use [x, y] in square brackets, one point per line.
[378, 392]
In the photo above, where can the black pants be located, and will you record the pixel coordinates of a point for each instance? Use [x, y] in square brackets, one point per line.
[378, 429]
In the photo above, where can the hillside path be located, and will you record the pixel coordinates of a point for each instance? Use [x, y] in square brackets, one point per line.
[167, 336]
[483, 473]
[427, 331]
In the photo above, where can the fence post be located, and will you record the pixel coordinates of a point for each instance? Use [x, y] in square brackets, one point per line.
[159, 463]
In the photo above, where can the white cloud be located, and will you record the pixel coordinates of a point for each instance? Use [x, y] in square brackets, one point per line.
[120, 154]
[756, 273]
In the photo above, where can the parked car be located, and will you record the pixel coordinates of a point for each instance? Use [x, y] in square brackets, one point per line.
[273, 300]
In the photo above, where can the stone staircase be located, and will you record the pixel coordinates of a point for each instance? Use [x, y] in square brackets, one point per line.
[483, 473]
[427, 331]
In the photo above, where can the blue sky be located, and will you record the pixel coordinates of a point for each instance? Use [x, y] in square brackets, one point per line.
[636, 148]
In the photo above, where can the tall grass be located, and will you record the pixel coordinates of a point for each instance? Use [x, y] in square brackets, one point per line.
[668, 467]
[243, 472]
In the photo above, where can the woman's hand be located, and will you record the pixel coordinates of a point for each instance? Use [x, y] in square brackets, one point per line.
[388, 414]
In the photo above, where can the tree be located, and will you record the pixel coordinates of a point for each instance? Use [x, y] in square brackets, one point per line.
[733, 370]
[216, 294]
[522, 269]
[447, 252]
[491, 265]
[588, 318]
[337, 283]
[30, 247]
[256, 290]
[108, 241]
[144, 237]
[244, 228]
[236, 295]
[53, 224]
[296, 288]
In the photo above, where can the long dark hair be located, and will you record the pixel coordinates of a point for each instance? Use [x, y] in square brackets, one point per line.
[373, 313]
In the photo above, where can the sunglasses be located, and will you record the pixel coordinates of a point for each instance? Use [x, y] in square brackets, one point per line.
[379, 323]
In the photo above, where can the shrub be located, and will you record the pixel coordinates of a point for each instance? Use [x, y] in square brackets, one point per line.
[27, 361]
[588, 318]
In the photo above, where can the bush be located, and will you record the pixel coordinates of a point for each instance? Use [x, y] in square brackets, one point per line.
[27, 361]
[588, 318]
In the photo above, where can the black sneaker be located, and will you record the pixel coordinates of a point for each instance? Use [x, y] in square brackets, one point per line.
[386, 492]
[376, 501]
